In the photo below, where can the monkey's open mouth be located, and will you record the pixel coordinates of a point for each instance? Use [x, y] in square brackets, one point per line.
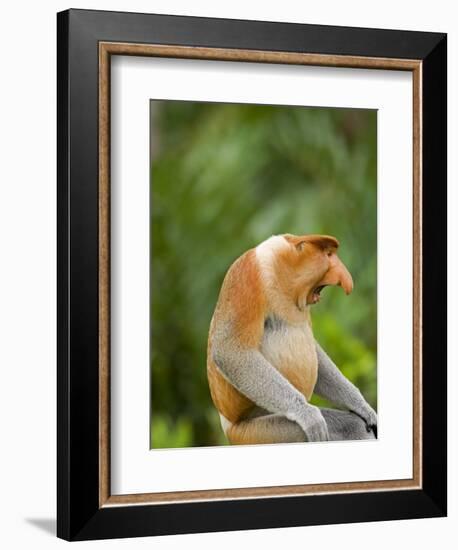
[316, 294]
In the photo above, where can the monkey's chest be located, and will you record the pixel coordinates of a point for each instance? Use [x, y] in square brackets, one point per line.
[291, 350]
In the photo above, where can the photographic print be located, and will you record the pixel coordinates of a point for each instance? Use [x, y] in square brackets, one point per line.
[228, 215]
[263, 222]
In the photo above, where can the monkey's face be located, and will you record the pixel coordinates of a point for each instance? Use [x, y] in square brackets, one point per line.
[312, 264]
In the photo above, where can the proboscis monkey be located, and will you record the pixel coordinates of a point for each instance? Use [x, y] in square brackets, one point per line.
[263, 361]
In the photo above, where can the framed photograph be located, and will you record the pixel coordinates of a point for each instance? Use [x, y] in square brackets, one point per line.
[251, 274]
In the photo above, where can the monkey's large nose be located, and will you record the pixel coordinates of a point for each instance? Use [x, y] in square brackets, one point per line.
[338, 275]
[346, 281]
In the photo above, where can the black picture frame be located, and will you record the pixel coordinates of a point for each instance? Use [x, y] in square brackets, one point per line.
[79, 514]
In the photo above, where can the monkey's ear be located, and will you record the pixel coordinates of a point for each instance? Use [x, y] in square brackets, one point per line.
[323, 242]
[297, 242]
[300, 245]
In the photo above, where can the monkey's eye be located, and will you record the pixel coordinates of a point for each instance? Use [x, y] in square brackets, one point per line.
[329, 253]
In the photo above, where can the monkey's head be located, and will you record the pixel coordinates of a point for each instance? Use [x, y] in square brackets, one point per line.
[308, 264]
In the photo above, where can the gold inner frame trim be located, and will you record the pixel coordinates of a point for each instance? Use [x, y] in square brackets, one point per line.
[106, 50]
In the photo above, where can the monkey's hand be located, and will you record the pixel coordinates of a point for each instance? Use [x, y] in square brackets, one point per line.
[312, 423]
[367, 413]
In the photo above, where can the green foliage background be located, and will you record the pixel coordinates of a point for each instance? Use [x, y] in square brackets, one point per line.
[224, 177]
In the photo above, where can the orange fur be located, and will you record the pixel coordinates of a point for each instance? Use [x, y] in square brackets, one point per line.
[230, 403]
[297, 273]
[261, 431]
[242, 302]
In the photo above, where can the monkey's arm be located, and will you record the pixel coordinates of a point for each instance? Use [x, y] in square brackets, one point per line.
[332, 385]
[250, 373]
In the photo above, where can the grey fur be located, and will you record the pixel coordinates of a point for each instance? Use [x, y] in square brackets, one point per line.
[345, 425]
[333, 386]
[273, 323]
